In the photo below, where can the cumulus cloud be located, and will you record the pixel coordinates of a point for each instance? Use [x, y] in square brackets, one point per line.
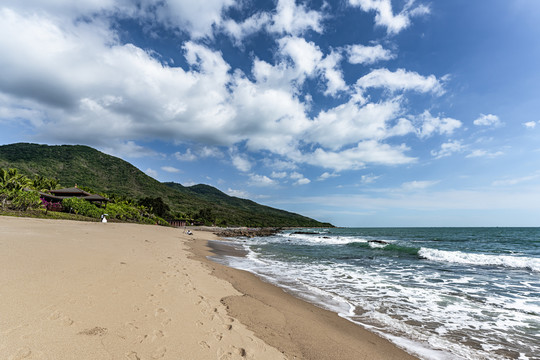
[487, 120]
[128, 149]
[369, 179]
[530, 124]
[187, 156]
[261, 180]
[436, 125]
[86, 86]
[151, 172]
[279, 174]
[238, 193]
[241, 162]
[371, 151]
[448, 149]
[350, 122]
[360, 54]
[401, 80]
[327, 175]
[394, 23]
[203, 152]
[289, 18]
[240, 30]
[300, 179]
[295, 19]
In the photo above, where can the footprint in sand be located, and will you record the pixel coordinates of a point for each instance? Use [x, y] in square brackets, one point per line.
[233, 353]
[132, 356]
[159, 311]
[166, 322]
[159, 353]
[204, 344]
[157, 334]
[66, 321]
[21, 353]
[54, 315]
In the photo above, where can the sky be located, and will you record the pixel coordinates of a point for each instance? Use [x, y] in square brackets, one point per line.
[356, 112]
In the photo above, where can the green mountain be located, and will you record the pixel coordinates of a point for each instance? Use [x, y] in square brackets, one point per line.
[88, 167]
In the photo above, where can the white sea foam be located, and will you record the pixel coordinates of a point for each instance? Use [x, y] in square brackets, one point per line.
[308, 239]
[519, 262]
[394, 298]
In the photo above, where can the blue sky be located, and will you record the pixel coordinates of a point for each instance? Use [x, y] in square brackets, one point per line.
[356, 112]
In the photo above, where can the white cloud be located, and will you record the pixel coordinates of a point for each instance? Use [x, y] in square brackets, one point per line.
[253, 24]
[327, 175]
[196, 17]
[418, 185]
[515, 181]
[360, 54]
[356, 157]
[187, 156]
[530, 124]
[170, 169]
[206, 152]
[88, 87]
[430, 125]
[448, 149]
[369, 179]
[302, 181]
[279, 174]
[280, 164]
[349, 123]
[152, 173]
[238, 193]
[308, 61]
[385, 16]
[295, 19]
[484, 153]
[128, 149]
[487, 120]
[241, 162]
[400, 80]
[261, 180]
[288, 18]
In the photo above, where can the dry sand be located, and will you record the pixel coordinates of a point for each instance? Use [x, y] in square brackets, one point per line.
[74, 290]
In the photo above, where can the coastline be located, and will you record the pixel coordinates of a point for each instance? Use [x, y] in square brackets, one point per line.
[297, 328]
[85, 290]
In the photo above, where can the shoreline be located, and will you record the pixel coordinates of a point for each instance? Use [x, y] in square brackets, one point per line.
[93, 291]
[297, 328]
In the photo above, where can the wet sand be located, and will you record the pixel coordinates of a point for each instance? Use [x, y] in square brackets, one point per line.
[299, 329]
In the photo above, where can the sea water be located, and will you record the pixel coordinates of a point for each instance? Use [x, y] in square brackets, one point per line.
[439, 293]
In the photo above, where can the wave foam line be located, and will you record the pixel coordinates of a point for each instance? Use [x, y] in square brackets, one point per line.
[480, 259]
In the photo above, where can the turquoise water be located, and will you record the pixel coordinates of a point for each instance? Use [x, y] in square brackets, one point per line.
[440, 293]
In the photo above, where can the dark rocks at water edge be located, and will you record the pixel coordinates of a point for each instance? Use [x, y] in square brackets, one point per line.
[247, 232]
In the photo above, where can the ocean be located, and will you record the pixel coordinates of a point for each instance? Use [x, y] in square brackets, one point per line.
[439, 293]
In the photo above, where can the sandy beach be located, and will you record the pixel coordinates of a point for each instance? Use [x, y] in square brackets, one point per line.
[74, 290]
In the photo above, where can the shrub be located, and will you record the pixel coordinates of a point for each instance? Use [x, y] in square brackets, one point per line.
[81, 207]
[52, 206]
[23, 200]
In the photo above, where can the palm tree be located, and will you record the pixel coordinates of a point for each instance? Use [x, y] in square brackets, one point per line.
[11, 179]
[41, 183]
